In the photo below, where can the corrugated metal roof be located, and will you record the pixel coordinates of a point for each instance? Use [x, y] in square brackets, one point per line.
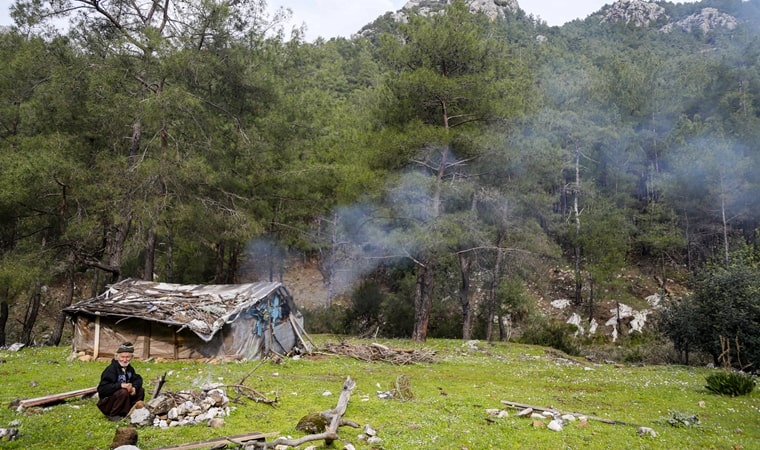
[204, 309]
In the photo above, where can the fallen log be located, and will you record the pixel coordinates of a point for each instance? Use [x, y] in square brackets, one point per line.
[239, 440]
[556, 411]
[56, 397]
[333, 417]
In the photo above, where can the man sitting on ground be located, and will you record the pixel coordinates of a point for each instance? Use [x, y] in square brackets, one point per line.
[120, 386]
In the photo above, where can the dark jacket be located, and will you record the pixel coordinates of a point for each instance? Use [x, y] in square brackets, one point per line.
[110, 382]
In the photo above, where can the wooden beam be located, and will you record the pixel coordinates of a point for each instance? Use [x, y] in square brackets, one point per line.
[553, 410]
[56, 397]
[96, 344]
[238, 440]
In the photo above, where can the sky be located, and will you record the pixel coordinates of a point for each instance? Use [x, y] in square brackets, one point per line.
[331, 18]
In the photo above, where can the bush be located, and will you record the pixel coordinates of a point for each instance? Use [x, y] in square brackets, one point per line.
[724, 309]
[557, 335]
[730, 383]
[322, 320]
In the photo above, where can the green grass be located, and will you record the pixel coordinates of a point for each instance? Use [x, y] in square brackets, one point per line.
[447, 412]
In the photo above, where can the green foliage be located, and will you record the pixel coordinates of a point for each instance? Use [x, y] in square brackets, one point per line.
[556, 335]
[326, 320]
[722, 318]
[730, 383]
[364, 314]
[398, 315]
[212, 132]
[680, 419]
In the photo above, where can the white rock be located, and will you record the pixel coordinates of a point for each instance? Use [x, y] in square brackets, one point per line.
[555, 425]
[646, 431]
[561, 303]
[141, 416]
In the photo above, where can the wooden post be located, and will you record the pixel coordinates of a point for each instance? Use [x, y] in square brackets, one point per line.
[96, 344]
[146, 341]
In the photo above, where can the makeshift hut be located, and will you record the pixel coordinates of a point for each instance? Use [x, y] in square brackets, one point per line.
[175, 321]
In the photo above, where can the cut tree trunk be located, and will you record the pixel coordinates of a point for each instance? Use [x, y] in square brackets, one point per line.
[56, 397]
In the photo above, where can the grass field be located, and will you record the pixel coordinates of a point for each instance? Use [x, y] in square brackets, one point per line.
[447, 411]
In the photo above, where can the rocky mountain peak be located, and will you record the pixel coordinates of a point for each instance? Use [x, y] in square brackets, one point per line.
[640, 13]
[491, 8]
[706, 20]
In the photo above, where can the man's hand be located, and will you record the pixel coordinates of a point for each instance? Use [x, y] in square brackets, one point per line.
[129, 388]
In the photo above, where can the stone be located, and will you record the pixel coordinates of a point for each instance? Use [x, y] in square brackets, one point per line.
[124, 436]
[555, 425]
[216, 423]
[646, 431]
[141, 417]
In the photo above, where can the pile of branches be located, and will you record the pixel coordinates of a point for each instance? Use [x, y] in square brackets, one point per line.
[379, 352]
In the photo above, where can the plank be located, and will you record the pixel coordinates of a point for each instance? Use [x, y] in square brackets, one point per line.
[56, 397]
[239, 440]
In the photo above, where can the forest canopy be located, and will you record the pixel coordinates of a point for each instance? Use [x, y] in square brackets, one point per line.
[439, 164]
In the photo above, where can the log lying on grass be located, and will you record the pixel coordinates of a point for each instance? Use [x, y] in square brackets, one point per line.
[332, 417]
[56, 397]
[239, 440]
[562, 413]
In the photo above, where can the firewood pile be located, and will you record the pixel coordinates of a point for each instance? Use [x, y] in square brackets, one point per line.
[379, 352]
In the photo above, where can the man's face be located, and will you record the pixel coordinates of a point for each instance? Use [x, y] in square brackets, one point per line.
[124, 358]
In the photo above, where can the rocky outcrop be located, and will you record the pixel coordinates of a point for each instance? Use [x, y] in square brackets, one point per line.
[644, 13]
[491, 8]
[707, 20]
[640, 13]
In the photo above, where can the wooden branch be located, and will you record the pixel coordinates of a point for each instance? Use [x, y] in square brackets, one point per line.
[556, 411]
[296, 328]
[328, 436]
[213, 443]
[242, 380]
[56, 397]
[160, 384]
[335, 416]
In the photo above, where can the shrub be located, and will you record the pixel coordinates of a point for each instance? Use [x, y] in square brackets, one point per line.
[322, 320]
[557, 335]
[730, 383]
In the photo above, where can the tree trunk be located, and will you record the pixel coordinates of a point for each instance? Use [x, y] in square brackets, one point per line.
[591, 301]
[170, 255]
[60, 322]
[4, 312]
[464, 296]
[219, 269]
[233, 260]
[576, 212]
[423, 301]
[492, 292]
[30, 317]
[150, 255]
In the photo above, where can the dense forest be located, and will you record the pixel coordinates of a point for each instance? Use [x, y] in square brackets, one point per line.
[433, 167]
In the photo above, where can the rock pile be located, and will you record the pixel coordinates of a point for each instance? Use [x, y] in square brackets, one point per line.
[183, 408]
